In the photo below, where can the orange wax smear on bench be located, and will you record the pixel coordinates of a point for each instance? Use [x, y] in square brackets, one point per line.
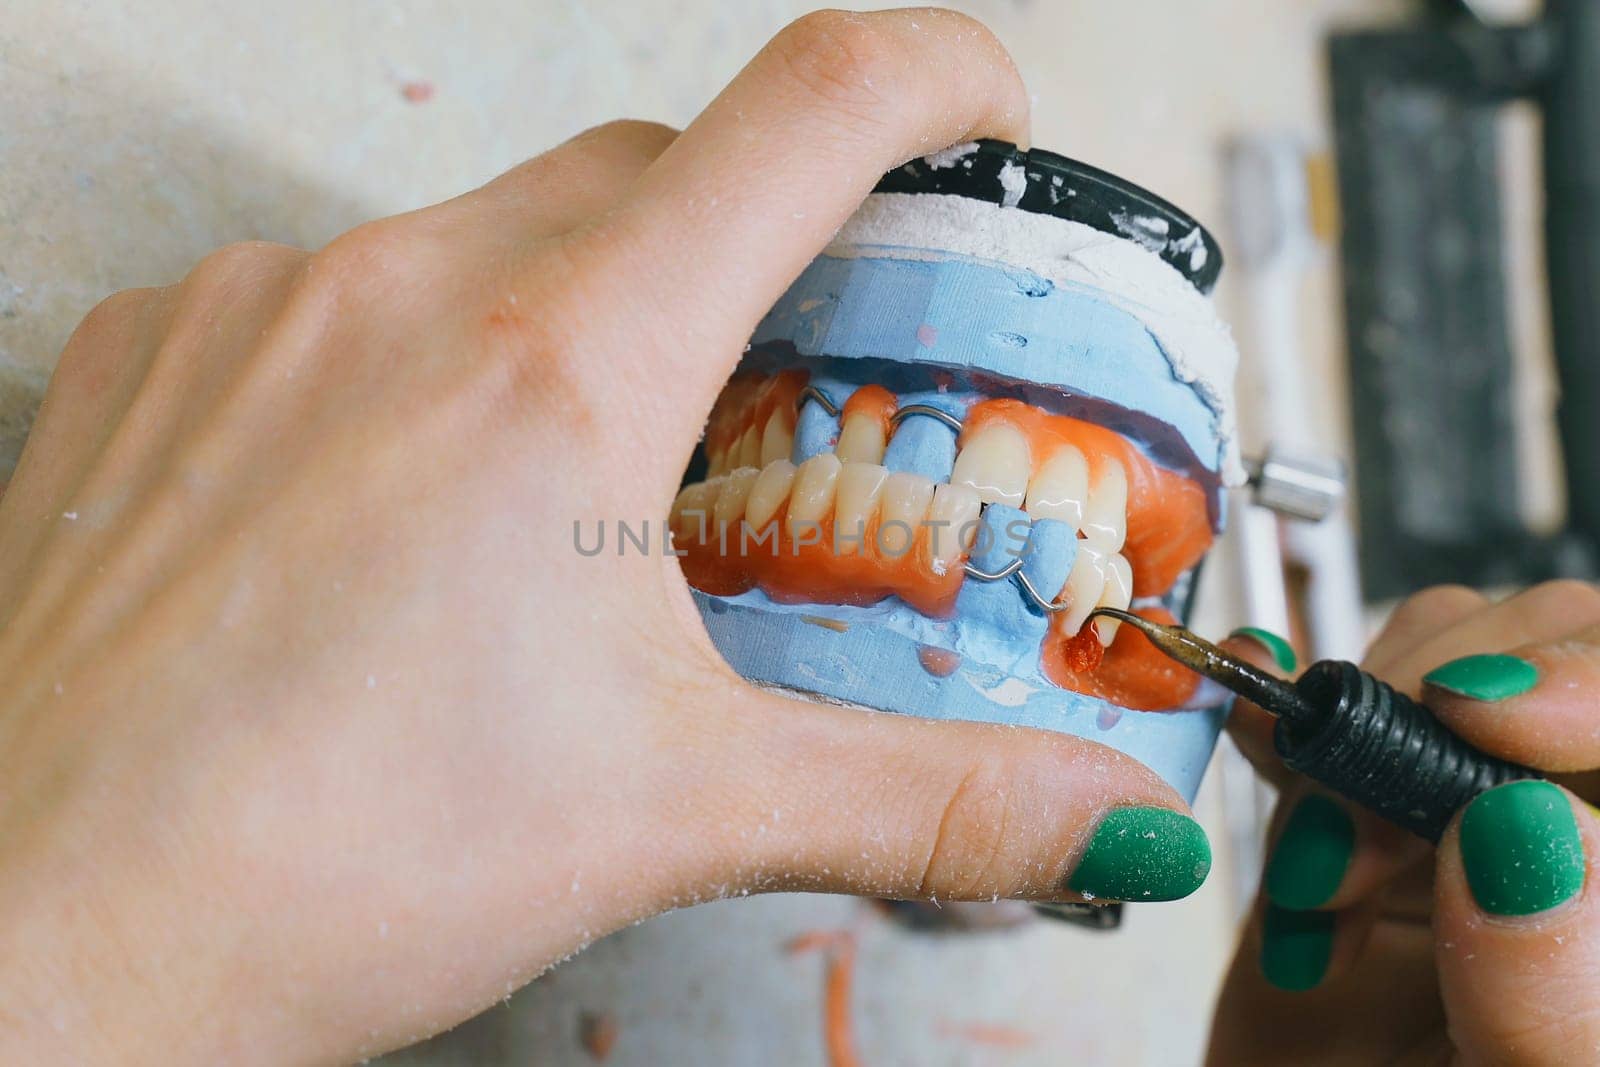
[1134, 673]
[1169, 528]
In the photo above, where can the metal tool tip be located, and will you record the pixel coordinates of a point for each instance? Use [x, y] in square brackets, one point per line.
[1117, 613]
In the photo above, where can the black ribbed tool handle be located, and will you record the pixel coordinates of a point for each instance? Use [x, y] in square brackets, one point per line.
[1382, 749]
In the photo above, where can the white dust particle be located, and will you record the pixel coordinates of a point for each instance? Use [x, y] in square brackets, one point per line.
[70, 516]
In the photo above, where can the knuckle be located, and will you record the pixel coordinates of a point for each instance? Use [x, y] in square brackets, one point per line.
[381, 258]
[842, 59]
[1562, 597]
[1437, 602]
[118, 312]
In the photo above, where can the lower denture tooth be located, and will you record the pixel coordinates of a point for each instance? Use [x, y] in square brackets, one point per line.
[860, 488]
[860, 440]
[767, 495]
[1085, 584]
[953, 523]
[812, 496]
[1105, 516]
[730, 505]
[1060, 488]
[1118, 594]
[995, 464]
[777, 440]
[691, 511]
[906, 497]
[748, 453]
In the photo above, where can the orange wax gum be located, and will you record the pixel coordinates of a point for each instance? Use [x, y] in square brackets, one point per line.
[1134, 674]
[1168, 523]
[873, 400]
[806, 569]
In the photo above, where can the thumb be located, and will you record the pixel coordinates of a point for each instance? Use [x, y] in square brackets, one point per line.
[1519, 965]
[843, 800]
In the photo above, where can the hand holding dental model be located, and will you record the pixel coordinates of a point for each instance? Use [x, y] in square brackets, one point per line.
[1371, 946]
[318, 736]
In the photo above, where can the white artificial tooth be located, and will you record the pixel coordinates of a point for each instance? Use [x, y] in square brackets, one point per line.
[860, 440]
[860, 488]
[1085, 583]
[812, 496]
[995, 464]
[1060, 488]
[691, 511]
[777, 440]
[905, 501]
[748, 453]
[1118, 593]
[768, 494]
[730, 505]
[1105, 516]
[957, 507]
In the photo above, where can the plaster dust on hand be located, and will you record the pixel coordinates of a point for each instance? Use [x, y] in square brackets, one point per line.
[1197, 344]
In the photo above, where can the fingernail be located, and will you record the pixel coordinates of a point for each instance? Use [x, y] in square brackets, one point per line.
[1487, 678]
[1282, 653]
[1521, 848]
[1311, 855]
[1143, 854]
[1296, 947]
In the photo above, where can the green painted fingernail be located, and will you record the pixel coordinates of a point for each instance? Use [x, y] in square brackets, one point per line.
[1312, 854]
[1143, 854]
[1486, 678]
[1282, 652]
[1296, 947]
[1521, 848]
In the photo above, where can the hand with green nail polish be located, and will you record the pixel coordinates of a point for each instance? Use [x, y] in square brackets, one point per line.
[1367, 946]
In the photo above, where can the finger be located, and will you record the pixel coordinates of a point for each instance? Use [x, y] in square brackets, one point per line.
[1529, 698]
[753, 189]
[1420, 618]
[1519, 965]
[828, 799]
[1249, 726]
[566, 186]
[94, 380]
[1328, 854]
[1301, 990]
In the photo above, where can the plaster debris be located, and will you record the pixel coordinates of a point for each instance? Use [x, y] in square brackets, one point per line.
[949, 157]
[1015, 182]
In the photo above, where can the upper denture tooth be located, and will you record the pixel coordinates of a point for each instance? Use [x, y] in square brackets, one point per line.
[1118, 593]
[995, 464]
[812, 496]
[860, 439]
[953, 523]
[748, 453]
[905, 501]
[730, 505]
[860, 488]
[767, 495]
[1105, 516]
[777, 440]
[1060, 488]
[1085, 584]
[716, 460]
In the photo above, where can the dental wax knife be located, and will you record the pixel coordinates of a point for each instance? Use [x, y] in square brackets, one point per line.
[1351, 732]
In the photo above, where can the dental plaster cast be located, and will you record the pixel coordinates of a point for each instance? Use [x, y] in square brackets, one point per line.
[964, 427]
